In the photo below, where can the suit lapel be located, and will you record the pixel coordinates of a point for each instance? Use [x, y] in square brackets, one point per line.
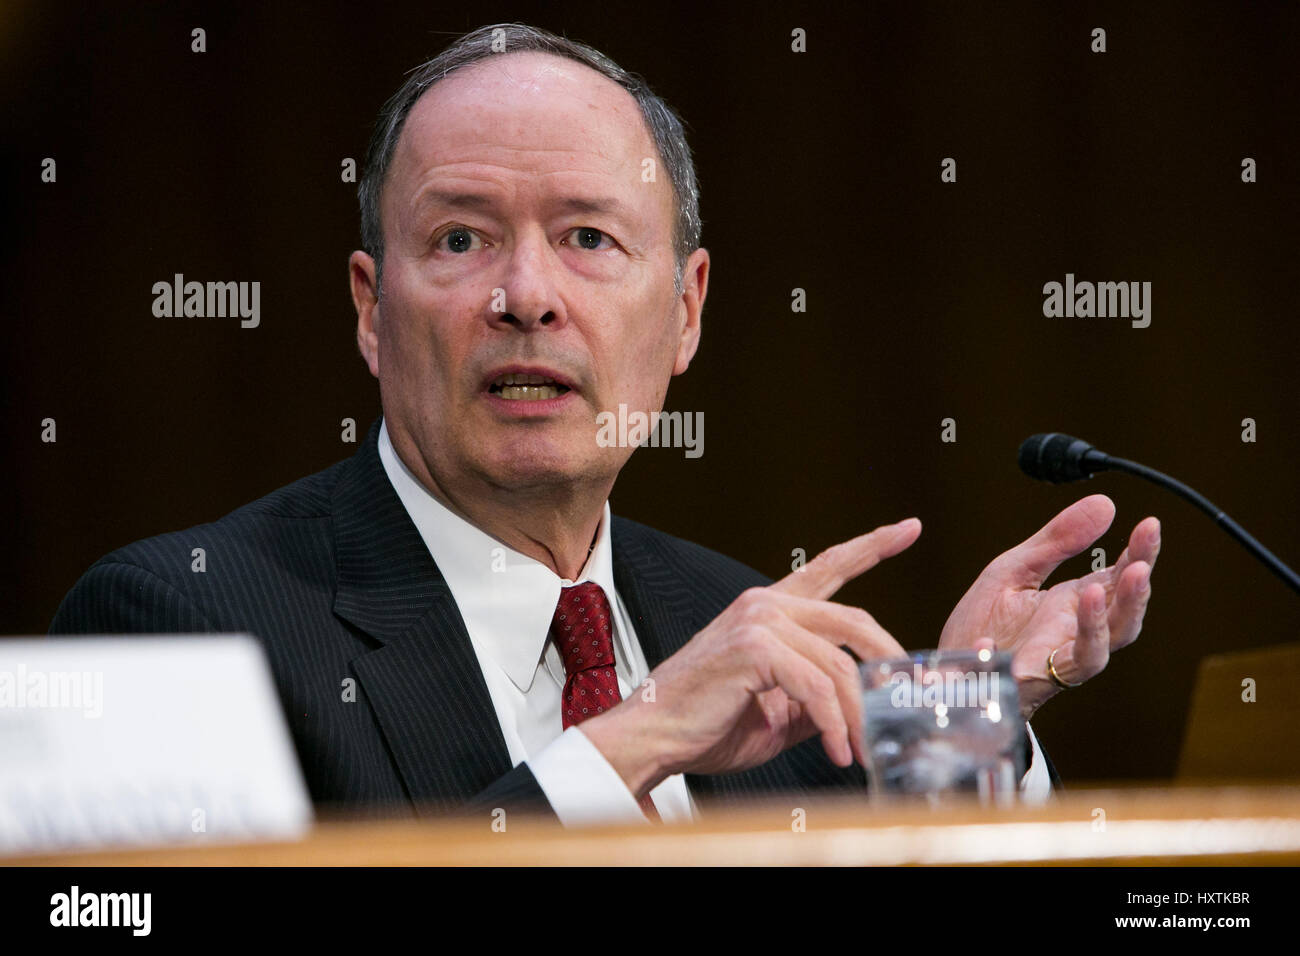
[423, 681]
[664, 614]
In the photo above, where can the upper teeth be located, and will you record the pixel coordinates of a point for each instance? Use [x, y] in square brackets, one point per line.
[522, 379]
[529, 393]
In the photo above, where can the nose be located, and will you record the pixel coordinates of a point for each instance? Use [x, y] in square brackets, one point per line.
[530, 297]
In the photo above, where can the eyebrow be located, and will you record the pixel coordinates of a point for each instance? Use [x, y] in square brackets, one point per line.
[477, 202]
[453, 200]
[604, 205]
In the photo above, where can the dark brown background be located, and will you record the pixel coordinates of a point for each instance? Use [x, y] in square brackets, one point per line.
[820, 171]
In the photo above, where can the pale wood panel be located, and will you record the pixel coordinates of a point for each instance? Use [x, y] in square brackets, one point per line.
[1228, 738]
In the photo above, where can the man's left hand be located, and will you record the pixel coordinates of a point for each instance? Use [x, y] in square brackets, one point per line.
[1083, 619]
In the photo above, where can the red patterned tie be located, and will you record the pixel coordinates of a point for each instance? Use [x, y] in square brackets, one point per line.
[582, 629]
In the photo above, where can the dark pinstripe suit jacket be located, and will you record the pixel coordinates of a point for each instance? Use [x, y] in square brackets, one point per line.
[332, 575]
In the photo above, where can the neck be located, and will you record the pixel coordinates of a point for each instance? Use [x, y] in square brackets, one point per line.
[555, 525]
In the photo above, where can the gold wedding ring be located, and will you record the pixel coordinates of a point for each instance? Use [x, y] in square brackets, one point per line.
[1056, 678]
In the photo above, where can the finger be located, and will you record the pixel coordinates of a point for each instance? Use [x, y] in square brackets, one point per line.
[1143, 545]
[775, 706]
[785, 717]
[829, 571]
[809, 684]
[1130, 604]
[843, 670]
[1063, 537]
[840, 624]
[1087, 655]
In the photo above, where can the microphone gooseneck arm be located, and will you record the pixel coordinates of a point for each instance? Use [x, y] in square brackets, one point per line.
[1243, 537]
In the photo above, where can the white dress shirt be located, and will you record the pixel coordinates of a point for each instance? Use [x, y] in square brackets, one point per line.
[507, 601]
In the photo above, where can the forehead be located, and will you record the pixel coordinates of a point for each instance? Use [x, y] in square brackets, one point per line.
[527, 111]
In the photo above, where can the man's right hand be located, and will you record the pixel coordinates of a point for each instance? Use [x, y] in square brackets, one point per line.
[766, 674]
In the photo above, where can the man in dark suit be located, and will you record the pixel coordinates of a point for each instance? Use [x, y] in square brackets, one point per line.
[453, 617]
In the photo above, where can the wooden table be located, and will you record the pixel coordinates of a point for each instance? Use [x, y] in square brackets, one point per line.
[1256, 824]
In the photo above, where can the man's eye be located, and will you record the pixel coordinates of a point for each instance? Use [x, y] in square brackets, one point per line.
[460, 240]
[584, 237]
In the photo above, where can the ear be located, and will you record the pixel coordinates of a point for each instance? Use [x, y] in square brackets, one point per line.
[365, 298]
[695, 286]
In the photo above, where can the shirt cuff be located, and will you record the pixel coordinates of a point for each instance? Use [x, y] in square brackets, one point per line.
[1036, 784]
[580, 784]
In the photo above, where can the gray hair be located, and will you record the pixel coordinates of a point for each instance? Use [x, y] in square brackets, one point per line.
[663, 122]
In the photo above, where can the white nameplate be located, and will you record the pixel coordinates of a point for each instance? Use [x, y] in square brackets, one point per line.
[143, 741]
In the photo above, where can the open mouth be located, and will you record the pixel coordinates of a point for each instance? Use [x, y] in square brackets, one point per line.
[519, 387]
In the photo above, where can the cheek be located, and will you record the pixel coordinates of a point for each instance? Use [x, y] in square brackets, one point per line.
[400, 348]
[645, 364]
[419, 340]
[660, 338]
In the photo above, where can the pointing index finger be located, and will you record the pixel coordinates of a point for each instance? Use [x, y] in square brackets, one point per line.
[825, 574]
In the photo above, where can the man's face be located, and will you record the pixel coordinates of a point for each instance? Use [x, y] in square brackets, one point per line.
[522, 239]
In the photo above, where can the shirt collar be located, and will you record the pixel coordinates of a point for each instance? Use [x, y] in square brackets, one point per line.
[506, 599]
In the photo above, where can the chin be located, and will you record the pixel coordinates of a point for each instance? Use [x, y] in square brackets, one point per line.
[523, 458]
[518, 467]
[535, 478]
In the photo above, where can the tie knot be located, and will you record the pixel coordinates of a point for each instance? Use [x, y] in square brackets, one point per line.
[581, 628]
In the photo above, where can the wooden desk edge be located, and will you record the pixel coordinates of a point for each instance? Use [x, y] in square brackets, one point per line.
[1179, 826]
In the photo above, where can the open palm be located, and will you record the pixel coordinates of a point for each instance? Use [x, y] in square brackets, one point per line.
[1083, 619]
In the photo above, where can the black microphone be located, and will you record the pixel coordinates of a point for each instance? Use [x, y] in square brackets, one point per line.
[1056, 458]
[1059, 458]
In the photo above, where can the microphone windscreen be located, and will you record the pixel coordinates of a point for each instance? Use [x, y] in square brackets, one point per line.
[1054, 457]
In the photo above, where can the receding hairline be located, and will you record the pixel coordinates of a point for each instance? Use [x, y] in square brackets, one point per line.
[666, 127]
[497, 60]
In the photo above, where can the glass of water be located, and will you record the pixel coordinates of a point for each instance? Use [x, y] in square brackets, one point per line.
[943, 722]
